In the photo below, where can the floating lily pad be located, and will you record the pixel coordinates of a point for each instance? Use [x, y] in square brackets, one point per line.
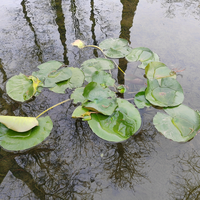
[168, 93]
[142, 54]
[94, 91]
[123, 123]
[77, 95]
[180, 125]
[79, 112]
[103, 78]
[22, 88]
[46, 69]
[57, 76]
[75, 81]
[115, 48]
[92, 65]
[19, 124]
[104, 106]
[158, 70]
[155, 58]
[100, 99]
[15, 141]
[141, 101]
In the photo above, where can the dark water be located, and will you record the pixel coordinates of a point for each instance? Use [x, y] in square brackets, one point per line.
[73, 163]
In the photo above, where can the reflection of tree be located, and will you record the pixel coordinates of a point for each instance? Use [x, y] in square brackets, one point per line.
[185, 184]
[28, 19]
[60, 21]
[185, 7]
[8, 163]
[129, 8]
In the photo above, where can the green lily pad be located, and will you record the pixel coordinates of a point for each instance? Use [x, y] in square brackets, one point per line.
[142, 54]
[121, 89]
[89, 67]
[75, 81]
[180, 125]
[19, 124]
[122, 124]
[57, 76]
[46, 69]
[141, 101]
[155, 58]
[94, 91]
[22, 88]
[79, 112]
[103, 78]
[158, 70]
[104, 106]
[100, 99]
[115, 48]
[168, 93]
[15, 141]
[77, 95]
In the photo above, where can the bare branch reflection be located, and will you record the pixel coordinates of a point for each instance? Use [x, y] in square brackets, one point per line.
[185, 183]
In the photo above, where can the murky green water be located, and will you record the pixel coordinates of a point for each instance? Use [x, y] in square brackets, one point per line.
[73, 163]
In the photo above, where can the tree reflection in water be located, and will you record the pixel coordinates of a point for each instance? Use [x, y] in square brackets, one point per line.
[185, 183]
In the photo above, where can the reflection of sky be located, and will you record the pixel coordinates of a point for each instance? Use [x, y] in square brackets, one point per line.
[81, 164]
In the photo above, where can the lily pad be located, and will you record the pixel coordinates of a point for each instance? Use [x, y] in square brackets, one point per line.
[94, 91]
[155, 58]
[46, 69]
[168, 93]
[122, 124]
[158, 70]
[79, 112]
[19, 124]
[143, 55]
[75, 81]
[141, 101]
[121, 89]
[22, 88]
[103, 78]
[115, 48]
[57, 76]
[15, 141]
[180, 125]
[100, 99]
[77, 95]
[89, 67]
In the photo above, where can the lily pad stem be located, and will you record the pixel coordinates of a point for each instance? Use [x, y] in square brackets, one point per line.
[105, 56]
[52, 107]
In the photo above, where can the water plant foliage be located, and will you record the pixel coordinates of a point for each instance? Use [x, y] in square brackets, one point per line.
[94, 91]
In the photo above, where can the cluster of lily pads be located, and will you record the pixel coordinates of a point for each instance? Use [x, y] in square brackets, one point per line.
[111, 118]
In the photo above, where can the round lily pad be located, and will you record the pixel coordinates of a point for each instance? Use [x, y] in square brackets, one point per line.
[15, 141]
[168, 93]
[122, 124]
[180, 124]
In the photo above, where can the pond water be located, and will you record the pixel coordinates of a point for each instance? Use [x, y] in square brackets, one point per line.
[73, 163]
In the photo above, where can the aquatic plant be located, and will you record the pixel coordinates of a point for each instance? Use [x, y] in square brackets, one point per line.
[111, 118]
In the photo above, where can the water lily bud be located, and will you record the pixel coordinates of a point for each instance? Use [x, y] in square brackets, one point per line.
[79, 44]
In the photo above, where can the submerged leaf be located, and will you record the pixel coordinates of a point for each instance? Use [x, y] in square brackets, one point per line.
[15, 141]
[123, 123]
[180, 125]
[19, 124]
